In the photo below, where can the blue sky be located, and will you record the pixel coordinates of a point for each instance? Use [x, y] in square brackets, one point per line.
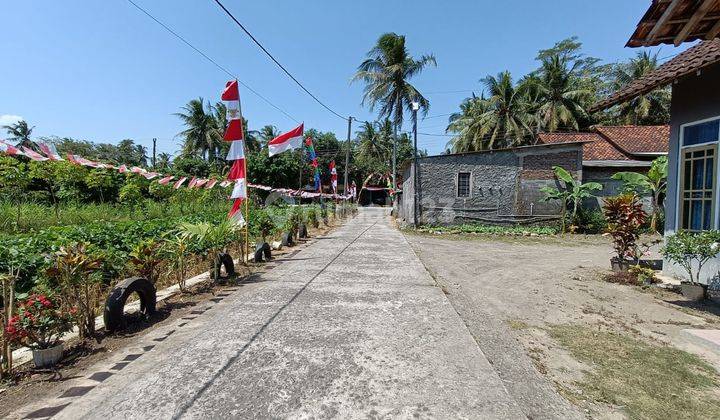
[103, 71]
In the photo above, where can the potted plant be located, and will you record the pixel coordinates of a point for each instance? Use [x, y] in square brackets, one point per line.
[39, 324]
[691, 251]
[625, 217]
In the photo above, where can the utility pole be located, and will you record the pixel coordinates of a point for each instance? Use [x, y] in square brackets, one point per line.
[154, 154]
[416, 169]
[347, 156]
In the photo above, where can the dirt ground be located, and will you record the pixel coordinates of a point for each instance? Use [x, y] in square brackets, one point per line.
[32, 384]
[517, 289]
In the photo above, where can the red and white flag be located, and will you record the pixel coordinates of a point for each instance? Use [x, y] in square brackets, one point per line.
[150, 175]
[165, 180]
[137, 170]
[49, 151]
[200, 182]
[192, 182]
[179, 182]
[235, 214]
[34, 155]
[211, 183]
[122, 169]
[231, 96]
[333, 176]
[237, 150]
[237, 171]
[239, 190]
[293, 139]
[10, 150]
[225, 184]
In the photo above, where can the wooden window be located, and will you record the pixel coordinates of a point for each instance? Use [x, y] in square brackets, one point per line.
[463, 184]
[697, 187]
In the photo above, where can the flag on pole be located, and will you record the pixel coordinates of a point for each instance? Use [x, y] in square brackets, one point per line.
[235, 214]
[179, 182]
[237, 171]
[286, 141]
[239, 190]
[333, 176]
[231, 96]
[237, 150]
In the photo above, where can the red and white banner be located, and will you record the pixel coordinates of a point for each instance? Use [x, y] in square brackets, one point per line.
[333, 176]
[235, 214]
[165, 180]
[231, 96]
[211, 183]
[179, 182]
[293, 139]
[237, 150]
[49, 151]
[34, 155]
[10, 150]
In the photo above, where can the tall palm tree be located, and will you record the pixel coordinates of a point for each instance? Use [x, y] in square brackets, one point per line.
[650, 108]
[267, 133]
[386, 72]
[468, 125]
[506, 121]
[561, 96]
[201, 132]
[20, 132]
[374, 140]
[163, 160]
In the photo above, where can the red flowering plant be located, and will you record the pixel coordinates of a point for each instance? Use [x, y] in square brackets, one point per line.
[39, 323]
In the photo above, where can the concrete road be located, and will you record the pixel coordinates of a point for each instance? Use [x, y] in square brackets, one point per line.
[352, 326]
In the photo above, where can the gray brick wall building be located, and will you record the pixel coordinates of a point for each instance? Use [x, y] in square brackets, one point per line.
[496, 187]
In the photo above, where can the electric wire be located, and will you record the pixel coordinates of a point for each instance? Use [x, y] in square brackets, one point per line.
[208, 58]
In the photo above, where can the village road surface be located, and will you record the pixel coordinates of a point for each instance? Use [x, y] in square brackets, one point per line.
[352, 326]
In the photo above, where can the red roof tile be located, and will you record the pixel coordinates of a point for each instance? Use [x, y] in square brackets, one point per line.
[687, 62]
[615, 142]
[638, 139]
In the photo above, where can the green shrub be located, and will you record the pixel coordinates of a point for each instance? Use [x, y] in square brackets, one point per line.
[691, 250]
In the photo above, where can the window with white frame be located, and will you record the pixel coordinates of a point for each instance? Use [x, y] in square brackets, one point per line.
[697, 175]
[463, 184]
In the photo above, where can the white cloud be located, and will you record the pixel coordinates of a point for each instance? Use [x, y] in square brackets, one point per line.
[7, 119]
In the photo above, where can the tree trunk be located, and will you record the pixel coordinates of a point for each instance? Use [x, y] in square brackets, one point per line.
[55, 202]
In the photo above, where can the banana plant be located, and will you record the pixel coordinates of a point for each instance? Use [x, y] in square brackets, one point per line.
[653, 183]
[571, 194]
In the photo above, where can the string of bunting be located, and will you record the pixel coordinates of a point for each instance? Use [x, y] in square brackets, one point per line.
[50, 154]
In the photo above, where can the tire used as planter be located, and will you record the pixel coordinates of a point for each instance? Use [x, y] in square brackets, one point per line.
[262, 249]
[226, 261]
[302, 232]
[114, 313]
[47, 357]
[287, 239]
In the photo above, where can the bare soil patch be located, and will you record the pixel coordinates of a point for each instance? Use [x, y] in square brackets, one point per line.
[547, 297]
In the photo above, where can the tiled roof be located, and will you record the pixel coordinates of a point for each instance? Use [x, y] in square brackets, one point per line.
[676, 21]
[687, 62]
[638, 139]
[615, 142]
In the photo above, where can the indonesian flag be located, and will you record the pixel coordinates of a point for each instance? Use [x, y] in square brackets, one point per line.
[179, 182]
[192, 182]
[9, 149]
[34, 155]
[231, 96]
[200, 182]
[137, 170]
[166, 180]
[237, 150]
[239, 190]
[211, 183]
[49, 151]
[237, 171]
[150, 175]
[235, 214]
[293, 139]
[122, 169]
[333, 176]
[225, 184]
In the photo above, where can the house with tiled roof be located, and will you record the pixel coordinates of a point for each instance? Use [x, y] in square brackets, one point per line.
[611, 149]
[694, 74]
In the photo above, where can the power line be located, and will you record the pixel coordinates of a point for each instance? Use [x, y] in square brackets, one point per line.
[228, 72]
[275, 60]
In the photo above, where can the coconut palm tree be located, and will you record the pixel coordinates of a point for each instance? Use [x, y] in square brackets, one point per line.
[374, 140]
[267, 133]
[386, 73]
[650, 108]
[20, 132]
[560, 95]
[201, 132]
[506, 122]
[468, 125]
[163, 160]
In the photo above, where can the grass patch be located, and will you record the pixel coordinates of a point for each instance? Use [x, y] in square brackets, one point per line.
[491, 230]
[649, 381]
[516, 324]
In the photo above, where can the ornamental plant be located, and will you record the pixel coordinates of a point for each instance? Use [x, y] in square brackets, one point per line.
[691, 250]
[176, 249]
[625, 217]
[39, 323]
[76, 271]
[146, 259]
[571, 194]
